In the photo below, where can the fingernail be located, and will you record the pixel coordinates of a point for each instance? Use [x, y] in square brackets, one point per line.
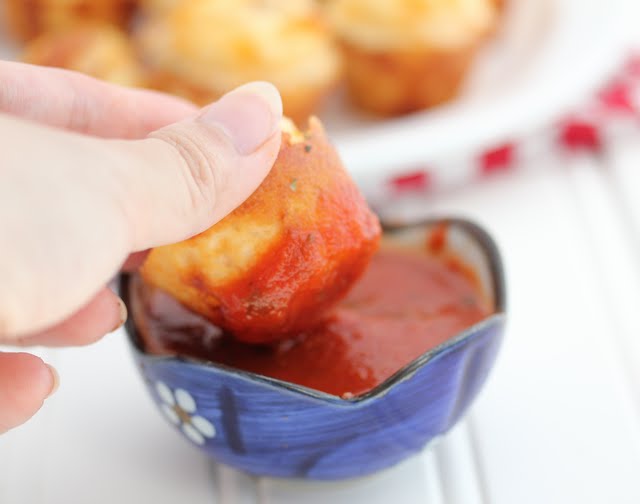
[123, 314]
[249, 115]
[55, 380]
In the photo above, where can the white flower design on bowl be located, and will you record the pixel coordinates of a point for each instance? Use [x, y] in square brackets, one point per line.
[179, 407]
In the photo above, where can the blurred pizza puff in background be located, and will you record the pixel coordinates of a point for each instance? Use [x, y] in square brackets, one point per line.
[393, 56]
[407, 55]
[102, 51]
[27, 19]
[201, 49]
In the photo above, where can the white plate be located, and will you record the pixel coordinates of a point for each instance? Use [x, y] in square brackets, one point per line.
[549, 55]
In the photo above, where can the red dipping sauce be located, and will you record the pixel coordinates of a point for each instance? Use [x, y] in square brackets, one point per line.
[405, 304]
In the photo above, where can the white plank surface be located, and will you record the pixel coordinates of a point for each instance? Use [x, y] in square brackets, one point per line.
[100, 440]
[557, 422]
[460, 475]
[414, 481]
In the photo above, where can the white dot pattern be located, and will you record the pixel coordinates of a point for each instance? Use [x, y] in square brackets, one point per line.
[192, 433]
[185, 401]
[204, 426]
[165, 393]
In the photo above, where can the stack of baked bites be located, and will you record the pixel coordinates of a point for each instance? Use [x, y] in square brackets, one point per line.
[396, 56]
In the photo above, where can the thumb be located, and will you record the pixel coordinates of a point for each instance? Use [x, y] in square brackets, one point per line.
[187, 176]
[108, 198]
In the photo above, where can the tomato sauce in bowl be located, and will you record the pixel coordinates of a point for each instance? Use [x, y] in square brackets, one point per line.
[407, 303]
[397, 364]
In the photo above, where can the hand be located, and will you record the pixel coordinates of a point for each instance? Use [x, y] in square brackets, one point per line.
[90, 174]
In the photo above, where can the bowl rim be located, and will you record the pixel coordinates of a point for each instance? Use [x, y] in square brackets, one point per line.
[496, 270]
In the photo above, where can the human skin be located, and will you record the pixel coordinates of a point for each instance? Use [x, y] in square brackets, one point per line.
[91, 176]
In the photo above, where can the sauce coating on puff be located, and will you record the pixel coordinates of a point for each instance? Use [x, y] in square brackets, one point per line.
[290, 252]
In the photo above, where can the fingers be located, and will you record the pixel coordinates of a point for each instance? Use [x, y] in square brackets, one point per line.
[189, 175]
[73, 101]
[104, 314]
[25, 382]
[74, 208]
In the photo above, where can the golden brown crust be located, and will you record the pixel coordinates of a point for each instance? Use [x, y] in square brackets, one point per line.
[285, 256]
[26, 19]
[101, 51]
[395, 83]
[500, 4]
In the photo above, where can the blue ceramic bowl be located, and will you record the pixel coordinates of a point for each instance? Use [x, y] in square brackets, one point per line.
[269, 427]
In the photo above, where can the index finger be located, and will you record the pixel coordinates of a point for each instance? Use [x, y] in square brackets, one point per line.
[76, 102]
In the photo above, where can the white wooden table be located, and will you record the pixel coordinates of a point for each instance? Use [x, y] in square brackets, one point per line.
[558, 421]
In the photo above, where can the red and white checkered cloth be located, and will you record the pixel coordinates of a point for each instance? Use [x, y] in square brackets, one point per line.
[614, 109]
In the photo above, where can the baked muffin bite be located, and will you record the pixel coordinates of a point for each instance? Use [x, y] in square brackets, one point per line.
[28, 19]
[406, 55]
[200, 49]
[101, 51]
[278, 262]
